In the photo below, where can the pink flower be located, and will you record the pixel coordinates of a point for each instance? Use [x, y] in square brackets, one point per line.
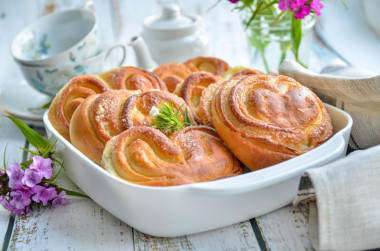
[44, 194]
[59, 200]
[43, 166]
[302, 12]
[234, 1]
[293, 5]
[15, 174]
[316, 5]
[31, 178]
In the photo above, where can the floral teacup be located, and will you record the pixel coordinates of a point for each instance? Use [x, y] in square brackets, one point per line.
[50, 79]
[64, 37]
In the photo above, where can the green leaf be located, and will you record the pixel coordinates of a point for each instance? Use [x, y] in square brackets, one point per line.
[31, 136]
[73, 193]
[4, 157]
[296, 32]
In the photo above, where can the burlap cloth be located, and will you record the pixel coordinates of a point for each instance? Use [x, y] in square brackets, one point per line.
[344, 195]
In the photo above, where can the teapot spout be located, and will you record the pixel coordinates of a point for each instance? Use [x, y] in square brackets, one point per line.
[143, 56]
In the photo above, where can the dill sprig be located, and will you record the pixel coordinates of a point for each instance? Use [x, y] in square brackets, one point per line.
[169, 120]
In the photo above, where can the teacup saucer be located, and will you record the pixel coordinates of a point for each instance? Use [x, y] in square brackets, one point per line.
[23, 102]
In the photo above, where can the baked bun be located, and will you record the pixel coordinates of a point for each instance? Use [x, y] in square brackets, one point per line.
[212, 65]
[240, 70]
[96, 120]
[146, 156]
[70, 97]
[132, 78]
[267, 119]
[191, 90]
[137, 109]
[172, 74]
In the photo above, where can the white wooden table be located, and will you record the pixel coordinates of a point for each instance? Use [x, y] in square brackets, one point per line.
[84, 225]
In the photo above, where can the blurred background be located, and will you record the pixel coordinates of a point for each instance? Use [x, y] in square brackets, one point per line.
[340, 33]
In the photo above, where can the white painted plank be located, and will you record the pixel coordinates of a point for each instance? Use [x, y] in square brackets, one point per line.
[286, 228]
[235, 237]
[81, 225]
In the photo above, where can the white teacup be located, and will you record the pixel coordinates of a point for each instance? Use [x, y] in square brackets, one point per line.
[50, 79]
[57, 39]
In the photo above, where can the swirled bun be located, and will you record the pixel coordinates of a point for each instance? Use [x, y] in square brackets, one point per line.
[172, 74]
[212, 65]
[79, 88]
[70, 97]
[240, 70]
[96, 120]
[267, 119]
[146, 156]
[132, 78]
[137, 108]
[191, 90]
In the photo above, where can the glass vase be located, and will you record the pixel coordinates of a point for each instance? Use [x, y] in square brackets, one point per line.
[271, 43]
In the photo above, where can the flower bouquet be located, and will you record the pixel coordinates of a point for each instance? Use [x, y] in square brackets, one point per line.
[31, 184]
[275, 28]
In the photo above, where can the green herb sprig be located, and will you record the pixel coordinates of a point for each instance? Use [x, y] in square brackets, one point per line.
[169, 120]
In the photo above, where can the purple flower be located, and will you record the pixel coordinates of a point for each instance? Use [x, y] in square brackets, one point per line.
[43, 166]
[31, 178]
[59, 200]
[316, 5]
[44, 194]
[18, 211]
[15, 174]
[5, 203]
[234, 1]
[302, 12]
[18, 200]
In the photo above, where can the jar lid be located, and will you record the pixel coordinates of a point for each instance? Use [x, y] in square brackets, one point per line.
[171, 23]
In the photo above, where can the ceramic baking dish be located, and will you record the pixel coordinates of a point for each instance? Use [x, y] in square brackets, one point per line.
[188, 209]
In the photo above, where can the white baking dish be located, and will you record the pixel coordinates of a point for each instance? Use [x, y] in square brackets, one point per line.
[188, 209]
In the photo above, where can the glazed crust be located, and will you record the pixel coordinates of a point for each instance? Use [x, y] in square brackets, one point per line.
[172, 74]
[132, 78]
[137, 108]
[212, 65]
[96, 120]
[145, 156]
[267, 119]
[191, 90]
[70, 97]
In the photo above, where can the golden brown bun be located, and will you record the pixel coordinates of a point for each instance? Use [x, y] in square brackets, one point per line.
[132, 78]
[145, 156]
[212, 65]
[172, 74]
[137, 108]
[79, 88]
[69, 98]
[96, 120]
[191, 90]
[267, 119]
[240, 70]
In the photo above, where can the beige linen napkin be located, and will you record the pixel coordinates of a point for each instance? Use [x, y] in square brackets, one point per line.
[344, 195]
[344, 199]
[354, 90]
